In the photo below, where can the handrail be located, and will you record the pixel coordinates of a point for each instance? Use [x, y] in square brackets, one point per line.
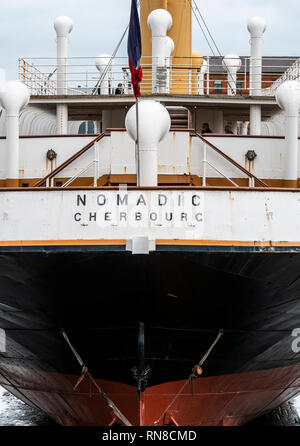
[180, 75]
[223, 175]
[237, 165]
[78, 174]
[69, 161]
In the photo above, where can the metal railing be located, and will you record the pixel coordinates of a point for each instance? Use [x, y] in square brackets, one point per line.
[292, 73]
[37, 81]
[253, 180]
[173, 75]
[48, 180]
[93, 166]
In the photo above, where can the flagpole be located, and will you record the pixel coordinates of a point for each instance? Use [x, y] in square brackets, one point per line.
[137, 144]
[134, 48]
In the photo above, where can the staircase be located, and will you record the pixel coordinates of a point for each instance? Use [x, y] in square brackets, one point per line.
[179, 117]
[48, 179]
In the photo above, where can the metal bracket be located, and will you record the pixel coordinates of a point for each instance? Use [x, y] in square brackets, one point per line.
[140, 245]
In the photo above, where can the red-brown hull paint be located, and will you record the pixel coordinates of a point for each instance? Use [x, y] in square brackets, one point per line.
[229, 400]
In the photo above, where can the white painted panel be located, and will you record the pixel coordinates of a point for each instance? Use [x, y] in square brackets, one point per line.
[270, 155]
[33, 153]
[245, 216]
[122, 153]
[178, 153]
[174, 153]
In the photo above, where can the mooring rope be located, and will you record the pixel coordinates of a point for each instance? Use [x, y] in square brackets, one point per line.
[193, 375]
[85, 372]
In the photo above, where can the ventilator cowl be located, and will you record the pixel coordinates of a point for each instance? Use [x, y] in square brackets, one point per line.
[102, 61]
[63, 25]
[154, 124]
[159, 21]
[288, 97]
[257, 26]
[14, 96]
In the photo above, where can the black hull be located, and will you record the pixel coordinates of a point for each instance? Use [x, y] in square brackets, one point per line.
[182, 297]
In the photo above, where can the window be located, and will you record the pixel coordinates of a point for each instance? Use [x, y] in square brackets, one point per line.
[239, 87]
[217, 86]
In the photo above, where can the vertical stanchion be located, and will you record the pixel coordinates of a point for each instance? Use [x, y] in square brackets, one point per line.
[137, 145]
[96, 163]
[204, 166]
[207, 75]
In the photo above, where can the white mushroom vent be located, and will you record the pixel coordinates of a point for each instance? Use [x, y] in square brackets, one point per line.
[14, 96]
[154, 124]
[159, 21]
[63, 25]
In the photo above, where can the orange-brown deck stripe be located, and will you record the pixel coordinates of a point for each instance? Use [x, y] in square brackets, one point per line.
[118, 242]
